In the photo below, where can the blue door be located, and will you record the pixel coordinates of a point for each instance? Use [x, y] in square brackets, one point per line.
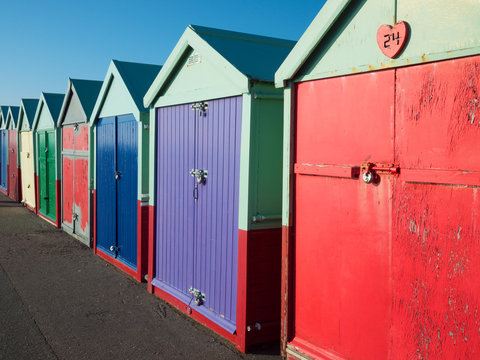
[197, 221]
[117, 173]
[3, 160]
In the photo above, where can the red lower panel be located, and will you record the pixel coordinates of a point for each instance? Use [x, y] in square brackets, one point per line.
[46, 218]
[258, 292]
[151, 246]
[4, 192]
[259, 286]
[142, 241]
[94, 222]
[37, 193]
[287, 300]
[58, 199]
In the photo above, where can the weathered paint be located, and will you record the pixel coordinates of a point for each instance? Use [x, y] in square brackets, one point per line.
[342, 38]
[13, 180]
[405, 286]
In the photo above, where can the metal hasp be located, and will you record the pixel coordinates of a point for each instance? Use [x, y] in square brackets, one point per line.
[201, 175]
[201, 107]
[197, 295]
[371, 171]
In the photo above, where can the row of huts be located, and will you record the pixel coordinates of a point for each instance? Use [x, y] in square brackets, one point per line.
[324, 192]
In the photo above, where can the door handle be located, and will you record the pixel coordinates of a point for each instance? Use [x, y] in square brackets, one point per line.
[117, 175]
[201, 175]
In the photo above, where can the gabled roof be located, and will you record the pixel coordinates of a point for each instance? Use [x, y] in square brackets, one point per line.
[87, 91]
[246, 56]
[310, 39]
[12, 116]
[137, 78]
[29, 108]
[3, 116]
[53, 103]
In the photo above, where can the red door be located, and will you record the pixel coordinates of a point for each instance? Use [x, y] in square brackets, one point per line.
[12, 165]
[388, 269]
[343, 225]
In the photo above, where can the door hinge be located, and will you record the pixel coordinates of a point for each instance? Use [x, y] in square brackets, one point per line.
[198, 296]
[201, 107]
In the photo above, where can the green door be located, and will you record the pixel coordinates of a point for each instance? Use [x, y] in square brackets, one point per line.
[46, 173]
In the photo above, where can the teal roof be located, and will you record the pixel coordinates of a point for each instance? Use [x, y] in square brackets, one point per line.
[137, 78]
[54, 103]
[15, 110]
[256, 56]
[87, 91]
[30, 107]
[3, 115]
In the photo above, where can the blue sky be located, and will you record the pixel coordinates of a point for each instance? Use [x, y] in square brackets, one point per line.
[45, 42]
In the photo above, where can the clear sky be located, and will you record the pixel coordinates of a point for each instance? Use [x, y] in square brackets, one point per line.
[43, 42]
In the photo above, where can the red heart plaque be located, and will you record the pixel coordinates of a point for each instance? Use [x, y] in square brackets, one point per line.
[391, 40]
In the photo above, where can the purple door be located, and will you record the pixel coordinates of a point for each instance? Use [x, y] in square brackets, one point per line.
[198, 157]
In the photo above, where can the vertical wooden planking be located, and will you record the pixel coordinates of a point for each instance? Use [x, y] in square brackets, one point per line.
[127, 184]
[27, 166]
[175, 221]
[217, 207]
[51, 175]
[12, 165]
[105, 187]
[4, 159]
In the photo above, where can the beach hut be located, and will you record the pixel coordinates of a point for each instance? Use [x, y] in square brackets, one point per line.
[381, 174]
[47, 156]
[77, 107]
[3, 150]
[28, 107]
[13, 172]
[215, 147]
[119, 164]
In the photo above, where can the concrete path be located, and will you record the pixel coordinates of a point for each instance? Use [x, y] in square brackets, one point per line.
[60, 301]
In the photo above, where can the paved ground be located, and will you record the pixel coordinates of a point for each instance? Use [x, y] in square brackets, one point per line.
[59, 301]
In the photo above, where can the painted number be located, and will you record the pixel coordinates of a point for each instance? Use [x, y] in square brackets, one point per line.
[392, 37]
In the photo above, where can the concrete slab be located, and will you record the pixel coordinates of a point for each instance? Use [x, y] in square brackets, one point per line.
[59, 300]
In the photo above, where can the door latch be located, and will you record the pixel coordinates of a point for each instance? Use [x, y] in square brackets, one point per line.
[201, 175]
[198, 296]
[115, 250]
[117, 175]
[370, 171]
[75, 217]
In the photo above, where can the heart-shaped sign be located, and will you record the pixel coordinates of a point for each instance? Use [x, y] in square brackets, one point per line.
[391, 40]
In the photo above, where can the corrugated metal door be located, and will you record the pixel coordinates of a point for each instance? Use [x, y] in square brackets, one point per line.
[12, 165]
[197, 223]
[4, 159]
[343, 232]
[117, 179]
[27, 166]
